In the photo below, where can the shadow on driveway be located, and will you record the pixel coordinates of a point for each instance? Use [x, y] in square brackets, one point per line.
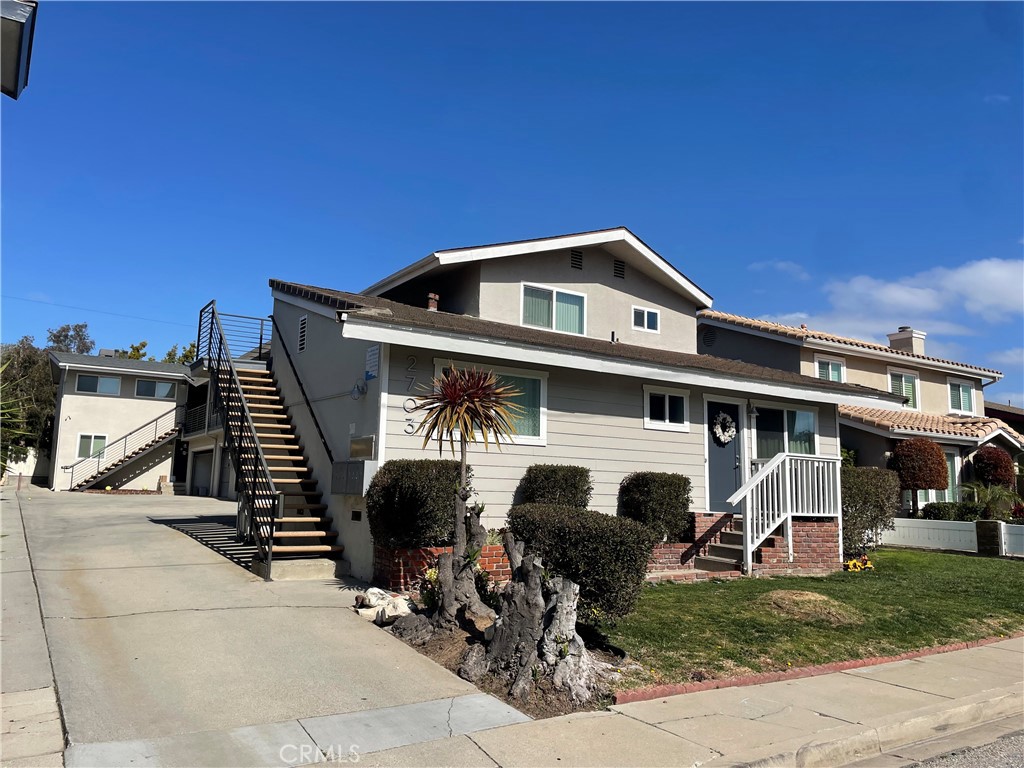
[216, 532]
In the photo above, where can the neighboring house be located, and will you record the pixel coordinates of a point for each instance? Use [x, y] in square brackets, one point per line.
[116, 421]
[944, 399]
[596, 330]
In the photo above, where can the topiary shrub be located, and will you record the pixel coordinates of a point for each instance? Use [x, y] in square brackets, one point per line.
[920, 464]
[607, 556]
[993, 466]
[871, 499]
[659, 500]
[556, 484]
[411, 502]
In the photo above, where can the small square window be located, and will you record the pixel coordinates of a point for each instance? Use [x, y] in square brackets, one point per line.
[91, 446]
[666, 409]
[646, 319]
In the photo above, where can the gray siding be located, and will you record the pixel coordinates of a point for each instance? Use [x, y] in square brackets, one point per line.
[736, 345]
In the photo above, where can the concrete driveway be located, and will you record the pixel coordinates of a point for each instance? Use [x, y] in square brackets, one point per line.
[153, 635]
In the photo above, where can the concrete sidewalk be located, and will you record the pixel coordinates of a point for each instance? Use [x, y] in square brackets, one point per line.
[829, 720]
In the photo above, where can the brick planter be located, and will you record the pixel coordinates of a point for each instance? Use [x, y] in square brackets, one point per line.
[400, 569]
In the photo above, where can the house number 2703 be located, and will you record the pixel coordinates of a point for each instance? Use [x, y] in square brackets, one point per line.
[410, 402]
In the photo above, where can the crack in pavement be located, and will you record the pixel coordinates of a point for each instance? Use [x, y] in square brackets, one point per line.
[451, 704]
[197, 610]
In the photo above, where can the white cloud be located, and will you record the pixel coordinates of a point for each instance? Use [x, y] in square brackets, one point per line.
[997, 98]
[945, 301]
[1012, 356]
[790, 268]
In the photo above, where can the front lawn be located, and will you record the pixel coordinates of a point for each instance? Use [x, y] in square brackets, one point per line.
[686, 632]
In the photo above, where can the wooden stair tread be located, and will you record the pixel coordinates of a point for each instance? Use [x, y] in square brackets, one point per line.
[285, 548]
[305, 534]
[300, 519]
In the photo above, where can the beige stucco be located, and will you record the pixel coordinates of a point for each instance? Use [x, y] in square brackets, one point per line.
[111, 415]
[609, 300]
[933, 385]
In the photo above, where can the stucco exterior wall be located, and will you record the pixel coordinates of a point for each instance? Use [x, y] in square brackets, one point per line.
[609, 303]
[330, 368]
[870, 372]
[110, 415]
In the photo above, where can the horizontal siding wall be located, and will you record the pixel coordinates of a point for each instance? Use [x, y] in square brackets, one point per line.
[594, 420]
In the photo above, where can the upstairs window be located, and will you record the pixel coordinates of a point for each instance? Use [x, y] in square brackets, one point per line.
[961, 396]
[100, 385]
[554, 309]
[904, 383]
[161, 390]
[666, 409]
[646, 319]
[830, 368]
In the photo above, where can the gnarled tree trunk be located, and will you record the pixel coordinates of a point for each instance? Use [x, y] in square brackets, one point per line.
[535, 633]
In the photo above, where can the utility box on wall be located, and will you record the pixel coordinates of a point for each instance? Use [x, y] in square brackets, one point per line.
[347, 477]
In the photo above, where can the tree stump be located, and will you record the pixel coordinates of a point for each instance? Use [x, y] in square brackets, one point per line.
[456, 573]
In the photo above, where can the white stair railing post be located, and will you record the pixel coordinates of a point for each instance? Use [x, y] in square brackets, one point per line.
[787, 505]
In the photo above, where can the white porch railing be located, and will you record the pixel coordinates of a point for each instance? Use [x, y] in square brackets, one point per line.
[787, 485]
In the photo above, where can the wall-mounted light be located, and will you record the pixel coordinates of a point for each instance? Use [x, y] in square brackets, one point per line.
[751, 410]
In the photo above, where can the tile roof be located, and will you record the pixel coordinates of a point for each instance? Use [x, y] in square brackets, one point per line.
[964, 427]
[143, 366]
[804, 334]
[374, 308]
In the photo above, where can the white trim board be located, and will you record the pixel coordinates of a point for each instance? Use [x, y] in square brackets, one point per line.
[621, 243]
[453, 344]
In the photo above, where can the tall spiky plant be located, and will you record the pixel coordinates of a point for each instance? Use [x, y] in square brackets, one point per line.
[468, 406]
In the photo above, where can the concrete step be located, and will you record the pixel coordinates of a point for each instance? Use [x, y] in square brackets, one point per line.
[711, 563]
[727, 551]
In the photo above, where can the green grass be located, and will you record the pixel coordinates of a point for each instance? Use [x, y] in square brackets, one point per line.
[686, 632]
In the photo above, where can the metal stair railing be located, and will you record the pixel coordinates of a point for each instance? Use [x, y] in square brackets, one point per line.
[787, 485]
[259, 501]
[112, 454]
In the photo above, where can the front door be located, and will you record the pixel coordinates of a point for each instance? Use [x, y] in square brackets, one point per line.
[725, 455]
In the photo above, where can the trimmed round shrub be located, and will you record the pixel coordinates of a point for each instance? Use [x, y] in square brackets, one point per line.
[993, 466]
[659, 500]
[871, 499]
[607, 556]
[556, 484]
[411, 502]
[963, 511]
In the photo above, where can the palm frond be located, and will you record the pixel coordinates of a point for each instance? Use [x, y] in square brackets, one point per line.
[469, 404]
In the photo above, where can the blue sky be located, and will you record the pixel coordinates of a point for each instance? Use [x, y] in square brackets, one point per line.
[852, 166]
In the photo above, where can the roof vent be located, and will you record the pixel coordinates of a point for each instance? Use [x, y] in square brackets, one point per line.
[576, 259]
[619, 269]
[708, 337]
[301, 345]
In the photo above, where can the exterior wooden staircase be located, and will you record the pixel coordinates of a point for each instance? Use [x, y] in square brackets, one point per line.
[304, 530]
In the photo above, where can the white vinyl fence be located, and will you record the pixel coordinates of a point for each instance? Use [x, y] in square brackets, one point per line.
[949, 534]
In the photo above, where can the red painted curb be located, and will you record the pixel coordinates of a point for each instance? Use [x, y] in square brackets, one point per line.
[674, 689]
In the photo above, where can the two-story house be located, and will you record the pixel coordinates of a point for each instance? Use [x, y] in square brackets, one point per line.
[944, 400]
[116, 422]
[599, 334]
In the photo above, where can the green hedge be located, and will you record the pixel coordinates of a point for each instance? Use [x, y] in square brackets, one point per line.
[964, 511]
[871, 499]
[411, 502]
[659, 500]
[556, 484]
[607, 556]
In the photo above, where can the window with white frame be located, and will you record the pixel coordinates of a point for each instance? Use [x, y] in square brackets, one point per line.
[531, 422]
[904, 383]
[667, 409]
[160, 390]
[950, 493]
[784, 430]
[645, 319]
[89, 445]
[961, 396]
[554, 309]
[100, 385]
[830, 368]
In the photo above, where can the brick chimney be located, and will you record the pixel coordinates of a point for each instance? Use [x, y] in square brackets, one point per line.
[432, 299]
[906, 339]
